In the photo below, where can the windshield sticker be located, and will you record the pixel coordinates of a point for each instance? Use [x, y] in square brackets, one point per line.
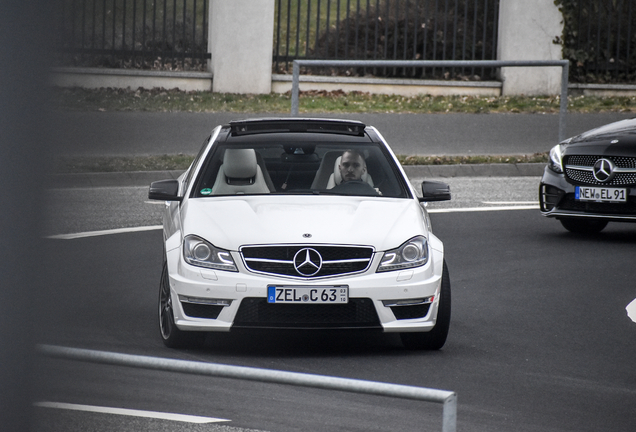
[206, 191]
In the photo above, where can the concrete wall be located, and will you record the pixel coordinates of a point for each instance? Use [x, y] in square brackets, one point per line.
[526, 31]
[241, 36]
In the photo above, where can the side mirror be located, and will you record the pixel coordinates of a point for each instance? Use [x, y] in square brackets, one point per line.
[435, 191]
[164, 190]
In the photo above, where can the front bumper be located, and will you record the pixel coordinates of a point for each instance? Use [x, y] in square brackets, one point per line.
[396, 301]
[556, 197]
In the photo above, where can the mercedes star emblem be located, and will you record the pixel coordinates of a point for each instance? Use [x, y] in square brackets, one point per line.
[307, 262]
[604, 170]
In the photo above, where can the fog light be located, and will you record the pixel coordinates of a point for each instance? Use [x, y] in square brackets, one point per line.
[408, 302]
[205, 301]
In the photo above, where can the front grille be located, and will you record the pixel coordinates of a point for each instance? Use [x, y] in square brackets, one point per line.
[279, 260]
[586, 177]
[570, 204]
[257, 313]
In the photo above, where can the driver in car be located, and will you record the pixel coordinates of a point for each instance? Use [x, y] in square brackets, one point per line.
[352, 166]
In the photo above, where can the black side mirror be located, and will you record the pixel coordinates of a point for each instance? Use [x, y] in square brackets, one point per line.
[435, 191]
[164, 190]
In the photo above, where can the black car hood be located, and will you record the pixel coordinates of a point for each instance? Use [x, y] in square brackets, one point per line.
[614, 139]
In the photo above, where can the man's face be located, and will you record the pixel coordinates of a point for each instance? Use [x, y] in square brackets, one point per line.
[351, 166]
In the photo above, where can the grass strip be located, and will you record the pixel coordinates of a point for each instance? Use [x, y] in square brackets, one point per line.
[161, 100]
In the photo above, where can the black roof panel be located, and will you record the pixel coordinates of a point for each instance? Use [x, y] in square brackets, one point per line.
[293, 124]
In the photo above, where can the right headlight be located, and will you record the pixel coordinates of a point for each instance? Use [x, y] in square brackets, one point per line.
[200, 253]
[413, 253]
[555, 163]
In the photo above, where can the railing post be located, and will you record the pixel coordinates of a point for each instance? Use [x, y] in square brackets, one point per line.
[565, 72]
[449, 414]
[295, 87]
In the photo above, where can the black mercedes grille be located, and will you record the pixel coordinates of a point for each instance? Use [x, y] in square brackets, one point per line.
[279, 260]
[569, 203]
[587, 177]
[256, 312]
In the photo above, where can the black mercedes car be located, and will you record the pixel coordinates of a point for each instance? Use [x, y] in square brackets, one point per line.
[590, 179]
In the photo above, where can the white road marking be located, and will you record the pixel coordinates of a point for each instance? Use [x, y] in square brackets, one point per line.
[130, 412]
[536, 203]
[104, 232]
[631, 310]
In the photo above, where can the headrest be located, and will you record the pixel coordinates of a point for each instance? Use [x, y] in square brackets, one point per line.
[239, 163]
[337, 177]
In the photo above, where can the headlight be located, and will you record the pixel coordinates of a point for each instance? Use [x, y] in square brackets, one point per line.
[413, 253]
[200, 253]
[556, 159]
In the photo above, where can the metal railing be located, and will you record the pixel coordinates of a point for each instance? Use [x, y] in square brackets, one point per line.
[387, 30]
[447, 398]
[132, 34]
[563, 64]
[599, 40]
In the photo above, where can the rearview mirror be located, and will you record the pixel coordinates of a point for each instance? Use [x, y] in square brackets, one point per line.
[164, 190]
[435, 191]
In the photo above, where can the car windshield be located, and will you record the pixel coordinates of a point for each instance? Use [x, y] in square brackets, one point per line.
[314, 168]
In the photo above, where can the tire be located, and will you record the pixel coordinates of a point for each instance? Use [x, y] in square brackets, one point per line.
[173, 337]
[436, 338]
[583, 226]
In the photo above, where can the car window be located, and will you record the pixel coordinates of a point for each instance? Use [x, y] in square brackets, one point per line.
[300, 168]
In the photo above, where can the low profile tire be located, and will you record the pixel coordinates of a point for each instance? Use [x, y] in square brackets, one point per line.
[583, 226]
[436, 338]
[173, 337]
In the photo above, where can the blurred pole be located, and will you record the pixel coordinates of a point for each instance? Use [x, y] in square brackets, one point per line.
[22, 190]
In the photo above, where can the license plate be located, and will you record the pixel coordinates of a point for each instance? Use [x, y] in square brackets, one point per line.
[600, 194]
[313, 295]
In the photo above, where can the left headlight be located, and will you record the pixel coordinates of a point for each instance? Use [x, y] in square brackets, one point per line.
[413, 253]
[200, 253]
[555, 163]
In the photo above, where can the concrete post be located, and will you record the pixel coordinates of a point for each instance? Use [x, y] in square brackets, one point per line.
[241, 43]
[526, 32]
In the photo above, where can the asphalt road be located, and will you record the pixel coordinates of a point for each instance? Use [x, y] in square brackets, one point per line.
[145, 133]
[540, 340]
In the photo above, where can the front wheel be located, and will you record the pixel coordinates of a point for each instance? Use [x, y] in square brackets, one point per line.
[436, 338]
[583, 226]
[173, 337]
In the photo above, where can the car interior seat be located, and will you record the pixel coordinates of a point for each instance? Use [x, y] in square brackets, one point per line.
[239, 174]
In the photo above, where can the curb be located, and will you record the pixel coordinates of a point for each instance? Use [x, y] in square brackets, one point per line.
[144, 178]
[475, 170]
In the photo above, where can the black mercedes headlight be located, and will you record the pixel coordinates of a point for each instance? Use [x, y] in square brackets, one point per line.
[200, 253]
[413, 253]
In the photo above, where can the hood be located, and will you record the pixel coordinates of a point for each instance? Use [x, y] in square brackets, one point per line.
[231, 222]
[614, 139]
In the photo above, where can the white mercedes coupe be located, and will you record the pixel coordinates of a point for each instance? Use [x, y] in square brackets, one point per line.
[296, 223]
